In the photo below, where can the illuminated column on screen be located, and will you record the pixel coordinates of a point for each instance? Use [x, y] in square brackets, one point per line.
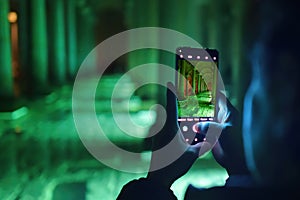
[195, 81]
[200, 83]
[6, 81]
[203, 86]
[70, 16]
[182, 80]
[39, 48]
[57, 47]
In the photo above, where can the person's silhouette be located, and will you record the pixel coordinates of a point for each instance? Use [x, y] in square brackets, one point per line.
[260, 153]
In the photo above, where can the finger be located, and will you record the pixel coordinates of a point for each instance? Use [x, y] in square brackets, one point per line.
[212, 131]
[171, 106]
[221, 107]
[170, 127]
[200, 148]
[195, 148]
[218, 150]
[225, 110]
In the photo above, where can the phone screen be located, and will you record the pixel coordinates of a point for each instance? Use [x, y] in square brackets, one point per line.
[196, 84]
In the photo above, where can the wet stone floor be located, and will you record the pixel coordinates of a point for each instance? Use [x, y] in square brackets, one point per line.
[42, 156]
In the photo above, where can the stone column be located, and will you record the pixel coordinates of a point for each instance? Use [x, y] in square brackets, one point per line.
[169, 18]
[71, 45]
[238, 82]
[195, 80]
[85, 29]
[182, 81]
[24, 38]
[38, 71]
[57, 47]
[213, 25]
[192, 25]
[7, 147]
[180, 16]
[6, 81]
[142, 14]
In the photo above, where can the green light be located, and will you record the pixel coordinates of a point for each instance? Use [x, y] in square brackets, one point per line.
[20, 112]
[200, 176]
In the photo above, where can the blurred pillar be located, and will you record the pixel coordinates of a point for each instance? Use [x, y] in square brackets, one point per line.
[57, 47]
[15, 53]
[190, 23]
[38, 47]
[238, 82]
[169, 17]
[213, 22]
[224, 13]
[70, 16]
[143, 14]
[6, 81]
[203, 10]
[180, 16]
[220, 38]
[85, 29]
[24, 38]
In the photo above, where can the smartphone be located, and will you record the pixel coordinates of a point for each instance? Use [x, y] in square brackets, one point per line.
[196, 85]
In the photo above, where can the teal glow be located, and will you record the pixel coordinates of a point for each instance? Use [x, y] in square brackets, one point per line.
[205, 173]
[16, 114]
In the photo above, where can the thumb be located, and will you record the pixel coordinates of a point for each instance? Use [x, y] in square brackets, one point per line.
[212, 132]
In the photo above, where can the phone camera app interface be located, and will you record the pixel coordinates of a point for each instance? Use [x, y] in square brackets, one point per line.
[196, 83]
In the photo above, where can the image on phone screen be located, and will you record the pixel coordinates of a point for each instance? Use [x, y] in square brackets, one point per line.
[196, 85]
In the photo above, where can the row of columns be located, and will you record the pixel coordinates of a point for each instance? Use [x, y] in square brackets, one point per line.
[46, 43]
[191, 85]
[48, 48]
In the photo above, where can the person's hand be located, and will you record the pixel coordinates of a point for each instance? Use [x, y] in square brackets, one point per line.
[172, 156]
[228, 150]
